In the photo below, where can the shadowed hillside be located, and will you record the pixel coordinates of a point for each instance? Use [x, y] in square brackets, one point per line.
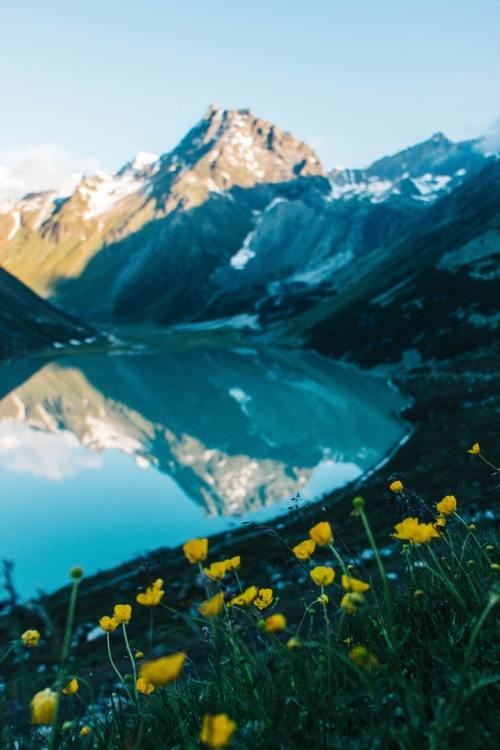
[27, 323]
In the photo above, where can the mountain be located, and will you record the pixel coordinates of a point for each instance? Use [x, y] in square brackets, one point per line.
[239, 223]
[28, 323]
[423, 172]
[48, 240]
[433, 297]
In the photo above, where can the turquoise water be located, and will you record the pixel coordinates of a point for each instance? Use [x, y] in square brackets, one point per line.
[106, 456]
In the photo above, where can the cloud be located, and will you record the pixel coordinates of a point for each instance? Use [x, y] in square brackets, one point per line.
[43, 454]
[491, 139]
[41, 167]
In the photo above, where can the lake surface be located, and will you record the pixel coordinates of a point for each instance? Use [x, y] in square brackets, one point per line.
[106, 456]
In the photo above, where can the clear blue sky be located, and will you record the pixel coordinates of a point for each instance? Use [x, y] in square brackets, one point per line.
[354, 78]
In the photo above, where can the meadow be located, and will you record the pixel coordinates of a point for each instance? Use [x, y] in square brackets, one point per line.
[383, 646]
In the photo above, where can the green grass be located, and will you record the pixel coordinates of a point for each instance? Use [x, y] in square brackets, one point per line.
[433, 681]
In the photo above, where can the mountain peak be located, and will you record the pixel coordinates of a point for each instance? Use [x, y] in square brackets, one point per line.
[211, 111]
[439, 137]
[229, 148]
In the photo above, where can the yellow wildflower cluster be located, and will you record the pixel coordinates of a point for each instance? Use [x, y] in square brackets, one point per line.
[122, 614]
[216, 731]
[30, 638]
[196, 550]
[212, 607]
[72, 687]
[163, 671]
[217, 570]
[411, 530]
[153, 595]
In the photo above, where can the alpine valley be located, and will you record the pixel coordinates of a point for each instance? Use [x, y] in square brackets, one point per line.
[186, 312]
[241, 225]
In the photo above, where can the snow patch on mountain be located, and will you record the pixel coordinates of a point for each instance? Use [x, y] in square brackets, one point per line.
[16, 223]
[103, 192]
[245, 253]
[144, 159]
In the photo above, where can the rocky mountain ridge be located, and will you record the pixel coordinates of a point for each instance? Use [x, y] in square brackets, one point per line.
[237, 225]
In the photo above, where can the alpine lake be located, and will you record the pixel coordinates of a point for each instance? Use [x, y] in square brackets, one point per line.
[109, 453]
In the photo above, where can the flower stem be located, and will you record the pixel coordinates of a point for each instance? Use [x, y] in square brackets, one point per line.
[115, 668]
[339, 559]
[54, 735]
[132, 660]
[6, 653]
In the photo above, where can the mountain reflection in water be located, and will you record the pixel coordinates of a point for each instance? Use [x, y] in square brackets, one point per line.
[233, 430]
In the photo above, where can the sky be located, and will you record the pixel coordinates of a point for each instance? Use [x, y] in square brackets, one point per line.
[88, 85]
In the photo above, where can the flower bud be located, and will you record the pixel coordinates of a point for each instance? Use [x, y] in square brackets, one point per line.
[76, 572]
[358, 503]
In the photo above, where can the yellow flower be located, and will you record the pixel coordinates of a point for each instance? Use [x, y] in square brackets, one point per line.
[406, 529]
[418, 593]
[212, 607]
[216, 571]
[349, 640]
[84, 731]
[354, 584]
[322, 533]
[122, 613]
[164, 670]
[43, 707]
[323, 599]
[447, 505]
[108, 624]
[495, 566]
[232, 563]
[274, 624]
[153, 594]
[216, 731]
[351, 601]
[293, 643]
[424, 533]
[196, 550]
[144, 686]
[410, 530]
[396, 486]
[139, 655]
[305, 549]
[363, 658]
[246, 598]
[475, 449]
[72, 687]
[488, 548]
[322, 575]
[264, 599]
[30, 638]
[440, 522]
